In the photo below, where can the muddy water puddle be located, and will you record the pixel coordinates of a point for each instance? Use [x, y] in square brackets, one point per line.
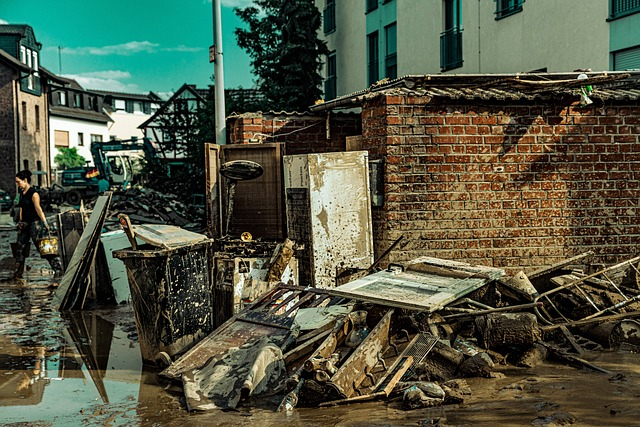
[85, 369]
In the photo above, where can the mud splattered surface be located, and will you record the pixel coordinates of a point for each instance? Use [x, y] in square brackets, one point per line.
[85, 369]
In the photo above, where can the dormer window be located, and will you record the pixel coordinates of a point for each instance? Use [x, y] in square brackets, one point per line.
[23, 54]
[35, 61]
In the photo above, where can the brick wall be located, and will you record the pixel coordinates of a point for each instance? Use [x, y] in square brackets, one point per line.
[34, 135]
[7, 130]
[300, 133]
[506, 185]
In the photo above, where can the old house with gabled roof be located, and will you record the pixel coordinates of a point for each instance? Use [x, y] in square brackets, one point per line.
[127, 111]
[24, 118]
[174, 123]
[76, 119]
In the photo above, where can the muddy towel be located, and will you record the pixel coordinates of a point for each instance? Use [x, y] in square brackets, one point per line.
[250, 370]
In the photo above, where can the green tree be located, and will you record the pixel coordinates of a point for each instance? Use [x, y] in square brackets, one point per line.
[69, 158]
[286, 53]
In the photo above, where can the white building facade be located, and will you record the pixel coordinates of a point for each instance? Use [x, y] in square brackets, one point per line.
[372, 40]
[76, 119]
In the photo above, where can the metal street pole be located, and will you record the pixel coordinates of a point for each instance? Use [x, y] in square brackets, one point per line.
[218, 69]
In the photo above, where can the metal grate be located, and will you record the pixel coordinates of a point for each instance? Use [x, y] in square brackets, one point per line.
[419, 349]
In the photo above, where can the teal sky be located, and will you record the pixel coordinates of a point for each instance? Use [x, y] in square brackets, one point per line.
[133, 46]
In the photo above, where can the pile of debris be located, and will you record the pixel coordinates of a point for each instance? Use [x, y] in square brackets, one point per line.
[411, 333]
[147, 206]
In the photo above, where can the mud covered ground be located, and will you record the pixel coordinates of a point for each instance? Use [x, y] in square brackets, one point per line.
[84, 369]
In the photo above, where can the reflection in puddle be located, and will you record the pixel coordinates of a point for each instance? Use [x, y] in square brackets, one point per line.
[62, 369]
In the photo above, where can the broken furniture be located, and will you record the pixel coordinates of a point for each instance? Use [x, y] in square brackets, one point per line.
[258, 206]
[354, 353]
[234, 171]
[329, 214]
[245, 270]
[272, 316]
[587, 296]
[427, 284]
[170, 290]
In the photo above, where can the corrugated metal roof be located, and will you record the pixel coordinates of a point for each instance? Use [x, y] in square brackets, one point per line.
[618, 86]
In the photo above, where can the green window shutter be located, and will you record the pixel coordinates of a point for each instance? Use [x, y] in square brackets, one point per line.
[628, 59]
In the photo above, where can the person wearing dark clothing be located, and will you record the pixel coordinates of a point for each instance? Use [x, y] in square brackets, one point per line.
[32, 224]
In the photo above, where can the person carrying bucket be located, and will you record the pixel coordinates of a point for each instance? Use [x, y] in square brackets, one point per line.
[32, 225]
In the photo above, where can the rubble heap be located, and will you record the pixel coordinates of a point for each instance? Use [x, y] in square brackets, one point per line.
[147, 206]
[412, 334]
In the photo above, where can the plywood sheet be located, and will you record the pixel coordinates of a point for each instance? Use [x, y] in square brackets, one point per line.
[329, 211]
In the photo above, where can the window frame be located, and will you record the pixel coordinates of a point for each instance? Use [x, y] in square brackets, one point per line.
[24, 115]
[329, 17]
[59, 135]
[451, 36]
[373, 66]
[512, 7]
[331, 82]
[614, 14]
[391, 57]
[370, 6]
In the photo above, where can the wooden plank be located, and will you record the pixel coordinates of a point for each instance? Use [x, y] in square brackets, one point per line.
[364, 357]
[212, 196]
[70, 226]
[307, 346]
[73, 286]
[546, 270]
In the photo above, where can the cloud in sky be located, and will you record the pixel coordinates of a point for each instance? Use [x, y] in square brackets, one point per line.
[235, 3]
[182, 48]
[3, 22]
[126, 49]
[111, 80]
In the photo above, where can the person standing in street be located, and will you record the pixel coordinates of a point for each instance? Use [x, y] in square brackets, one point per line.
[31, 225]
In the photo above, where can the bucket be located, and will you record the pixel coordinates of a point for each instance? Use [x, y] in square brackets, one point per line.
[47, 245]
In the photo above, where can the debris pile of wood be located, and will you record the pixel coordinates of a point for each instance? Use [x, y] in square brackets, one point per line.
[410, 334]
[147, 206]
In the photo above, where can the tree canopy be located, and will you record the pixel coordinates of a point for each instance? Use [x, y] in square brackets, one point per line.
[286, 53]
[69, 158]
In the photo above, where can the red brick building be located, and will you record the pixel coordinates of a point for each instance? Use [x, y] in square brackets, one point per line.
[513, 171]
[24, 114]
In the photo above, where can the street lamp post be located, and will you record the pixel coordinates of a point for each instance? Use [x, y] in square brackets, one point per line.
[218, 69]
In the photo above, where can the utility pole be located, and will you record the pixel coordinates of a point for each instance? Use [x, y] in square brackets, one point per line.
[221, 125]
[60, 59]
